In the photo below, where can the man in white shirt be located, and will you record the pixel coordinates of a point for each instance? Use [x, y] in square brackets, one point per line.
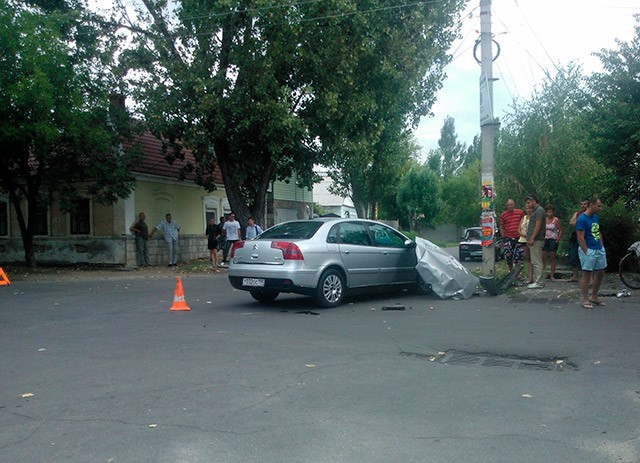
[232, 230]
[170, 229]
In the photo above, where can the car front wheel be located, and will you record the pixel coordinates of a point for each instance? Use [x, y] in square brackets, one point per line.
[330, 290]
[422, 287]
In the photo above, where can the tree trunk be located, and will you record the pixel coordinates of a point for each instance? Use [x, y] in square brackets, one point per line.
[360, 203]
[239, 206]
[26, 231]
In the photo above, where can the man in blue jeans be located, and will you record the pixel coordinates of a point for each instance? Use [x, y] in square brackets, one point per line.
[593, 258]
[170, 229]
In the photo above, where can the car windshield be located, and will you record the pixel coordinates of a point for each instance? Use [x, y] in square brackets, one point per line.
[473, 234]
[292, 230]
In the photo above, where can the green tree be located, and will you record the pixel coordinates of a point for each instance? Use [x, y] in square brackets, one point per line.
[418, 197]
[473, 152]
[450, 151]
[265, 91]
[543, 146]
[460, 197]
[614, 118]
[57, 128]
[393, 68]
[376, 185]
[401, 155]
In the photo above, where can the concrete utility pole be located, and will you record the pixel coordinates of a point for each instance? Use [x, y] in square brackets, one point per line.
[487, 127]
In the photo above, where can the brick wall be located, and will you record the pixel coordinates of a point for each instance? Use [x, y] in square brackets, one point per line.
[104, 250]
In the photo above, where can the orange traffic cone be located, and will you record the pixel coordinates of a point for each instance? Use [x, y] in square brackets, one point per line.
[4, 279]
[178, 299]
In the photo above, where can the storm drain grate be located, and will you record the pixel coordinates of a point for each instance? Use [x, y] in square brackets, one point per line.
[487, 359]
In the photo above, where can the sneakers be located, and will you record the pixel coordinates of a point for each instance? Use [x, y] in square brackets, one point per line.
[535, 286]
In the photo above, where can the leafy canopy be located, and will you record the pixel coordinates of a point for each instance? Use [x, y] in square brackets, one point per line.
[57, 128]
[265, 91]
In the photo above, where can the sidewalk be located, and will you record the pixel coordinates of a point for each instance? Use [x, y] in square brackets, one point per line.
[564, 291]
[19, 272]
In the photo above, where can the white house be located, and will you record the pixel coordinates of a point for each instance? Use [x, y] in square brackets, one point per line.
[330, 203]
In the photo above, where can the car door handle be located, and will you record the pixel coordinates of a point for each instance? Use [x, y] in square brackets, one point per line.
[384, 252]
[347, 252]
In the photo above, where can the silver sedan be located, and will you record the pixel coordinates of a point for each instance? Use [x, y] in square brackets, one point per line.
[324, 258]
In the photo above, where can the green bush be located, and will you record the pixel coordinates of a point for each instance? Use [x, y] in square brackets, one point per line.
[619, 229]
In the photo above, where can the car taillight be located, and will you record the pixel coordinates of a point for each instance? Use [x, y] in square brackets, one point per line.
[290, 251]
[236, 245]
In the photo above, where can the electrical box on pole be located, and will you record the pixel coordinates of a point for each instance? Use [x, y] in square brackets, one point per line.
[487, 134]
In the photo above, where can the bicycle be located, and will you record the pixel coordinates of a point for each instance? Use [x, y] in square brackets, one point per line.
[629, 267]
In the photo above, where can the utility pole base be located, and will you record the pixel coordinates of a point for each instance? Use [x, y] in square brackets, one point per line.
[489, 285]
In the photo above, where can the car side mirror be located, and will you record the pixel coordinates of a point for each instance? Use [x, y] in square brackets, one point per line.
[410, 244]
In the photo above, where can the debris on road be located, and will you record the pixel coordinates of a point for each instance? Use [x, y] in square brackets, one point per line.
[393, 307]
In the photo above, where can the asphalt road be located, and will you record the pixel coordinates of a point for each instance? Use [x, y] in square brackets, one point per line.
[103, 371]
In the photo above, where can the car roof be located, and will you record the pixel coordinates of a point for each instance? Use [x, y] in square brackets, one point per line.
[334, 220]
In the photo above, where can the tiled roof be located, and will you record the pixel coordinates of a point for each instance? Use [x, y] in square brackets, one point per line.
[153, 161]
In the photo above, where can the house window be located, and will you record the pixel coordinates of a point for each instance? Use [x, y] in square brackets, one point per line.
[4, 218]
[41, 220]
[210, 215]
[80, 215]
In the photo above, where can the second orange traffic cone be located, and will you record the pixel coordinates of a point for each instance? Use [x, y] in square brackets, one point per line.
[179, 302]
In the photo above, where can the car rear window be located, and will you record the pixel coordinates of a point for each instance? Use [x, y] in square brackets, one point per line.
[292, 230]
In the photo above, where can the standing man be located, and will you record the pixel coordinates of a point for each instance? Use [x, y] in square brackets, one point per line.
[593, 258]
[170, 229]
[535, 240]
[509, 231]
[141, 231]
[253, 230]
[231, 228]
[573, 239]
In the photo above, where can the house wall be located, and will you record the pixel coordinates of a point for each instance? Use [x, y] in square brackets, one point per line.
[288, 202]
[110, 241]
[185, 203]
[290, 192]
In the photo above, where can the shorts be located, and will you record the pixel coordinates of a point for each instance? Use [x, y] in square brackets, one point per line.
[513, 250]
[550, 245]
[212, 244]
[594, 259]
[573, 255]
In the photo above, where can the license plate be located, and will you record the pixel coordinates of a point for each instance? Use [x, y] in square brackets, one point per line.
[254, 282]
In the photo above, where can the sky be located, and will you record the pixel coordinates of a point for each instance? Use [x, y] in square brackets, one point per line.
[535, 38]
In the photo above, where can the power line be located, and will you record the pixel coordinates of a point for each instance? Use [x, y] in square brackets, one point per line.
[544, 49]
[340, 15]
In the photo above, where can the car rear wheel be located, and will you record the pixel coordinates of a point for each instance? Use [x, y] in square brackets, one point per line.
[264, 296]
[330, 290]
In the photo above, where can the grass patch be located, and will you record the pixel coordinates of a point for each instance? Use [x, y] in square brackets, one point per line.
[197, 266]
